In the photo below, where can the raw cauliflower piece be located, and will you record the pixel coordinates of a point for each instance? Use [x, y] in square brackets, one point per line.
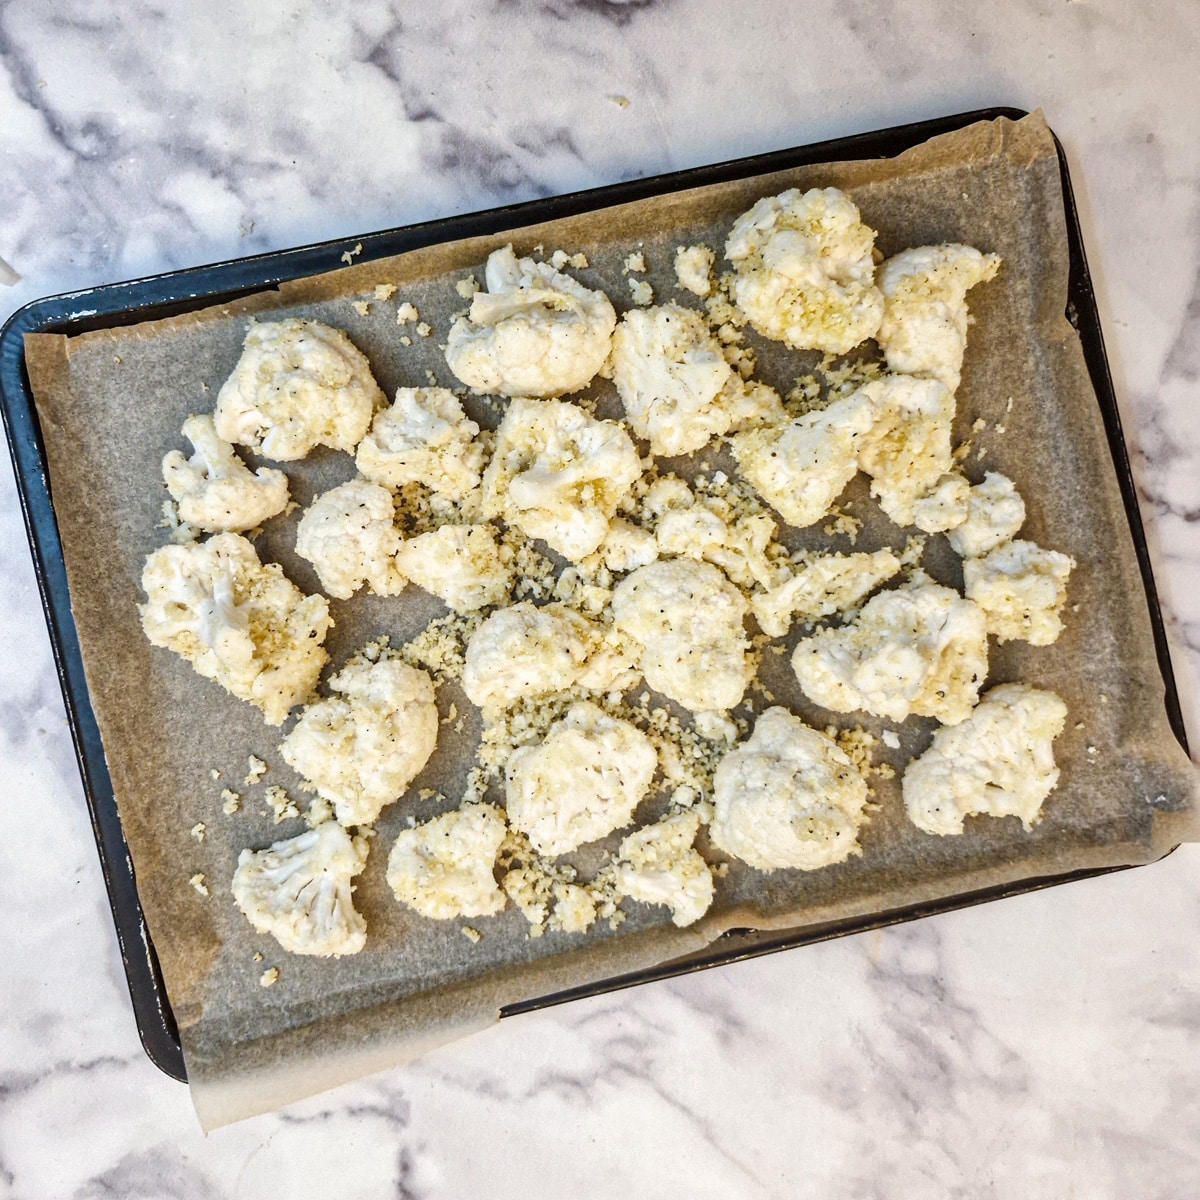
[801, 468]
[907, 451]
[995, 512]
[445, 867]
[657, 865]
[678, 390]
[579, 784]
[687, 619]
[944, 506]
[349, 535]
[1021, 589]
[824, 585]
[526, 651]
[918, 649]
[423, 438]
[298, 385]
[558, 474]
[789, 797]
[924, 327]
[459, 563]
[214, 489]
[534, 332]
[805, 273]
[299, 891]
[1000, 761]
[693, 269]
[362, 747]
[239, 622]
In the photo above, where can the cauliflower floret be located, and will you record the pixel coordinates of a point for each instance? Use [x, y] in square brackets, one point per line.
[525, 651]
[214, 489]
[1000, 761]
[918, 649]
[423, 438]
[1021, 589]
[458, 563]
[944, 507]
[789, 797]
[579, 784]
[657, 865]
[445, 867]
[687, 619]
[239, 622]
[752, 405]
[924, 327]
[824, 585]
[627, 546]
[676, 386]
[298, 385]
[995, 512]
[907, 451]
[534, 332]
[801, 468]
[693, 269]
[558, 474]
[363, 747]
[299, 891]
[349, 535]
[805, 272]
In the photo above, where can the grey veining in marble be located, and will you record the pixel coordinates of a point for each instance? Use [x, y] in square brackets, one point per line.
[1044, 1047]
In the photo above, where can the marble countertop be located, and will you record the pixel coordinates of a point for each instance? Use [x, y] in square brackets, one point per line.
[1042, 1047]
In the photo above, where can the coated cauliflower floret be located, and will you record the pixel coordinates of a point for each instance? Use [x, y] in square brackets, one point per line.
[657, 865]
[918, 649]
[299, 891]
[687, 619]
[423, 438]
[534, 332]
[801, 468]
[924, 327]
[693, 269]
[627, 546]
[445, 867]
[239, 622]
[558, 474]
[824, 585]
[1021, 589]
[362, 747]
[459, 563]
[995, 512]
[944, 506]
[678, 390]
[580, 783]
[214, 489]
[349, 535]
[789, 797]
[907, 451]
[805, 272]
[1000, 761]
[298, 385]
[525, 652]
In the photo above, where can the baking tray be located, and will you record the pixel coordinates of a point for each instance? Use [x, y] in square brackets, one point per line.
[199, 287]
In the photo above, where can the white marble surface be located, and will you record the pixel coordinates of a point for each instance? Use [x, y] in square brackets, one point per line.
[1047, 1046]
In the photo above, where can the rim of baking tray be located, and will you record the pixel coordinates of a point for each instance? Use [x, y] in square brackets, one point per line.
[197, 287]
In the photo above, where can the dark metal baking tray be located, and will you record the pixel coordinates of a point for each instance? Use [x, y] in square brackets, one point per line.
[199, 287]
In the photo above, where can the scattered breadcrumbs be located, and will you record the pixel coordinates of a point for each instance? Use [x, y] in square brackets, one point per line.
[642, 292]
[199, 830]
[349, 255]
[451, 714]
[255, 770]
[844, 524]
[362, 307]
[634, 261]
[319, 811]
[405, 340]
[269, 977]
[620, 101]
[214, 774]
[472, 935]
[441, 647]
[197, 881]
[891, 739]
[257, 956]
[560, 259]
[407, 312]
[467, 287]
[424, 330]
[384, 291]
[282, 805]
[232, 802]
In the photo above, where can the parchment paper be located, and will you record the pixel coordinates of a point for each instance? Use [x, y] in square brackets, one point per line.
[112, 402]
